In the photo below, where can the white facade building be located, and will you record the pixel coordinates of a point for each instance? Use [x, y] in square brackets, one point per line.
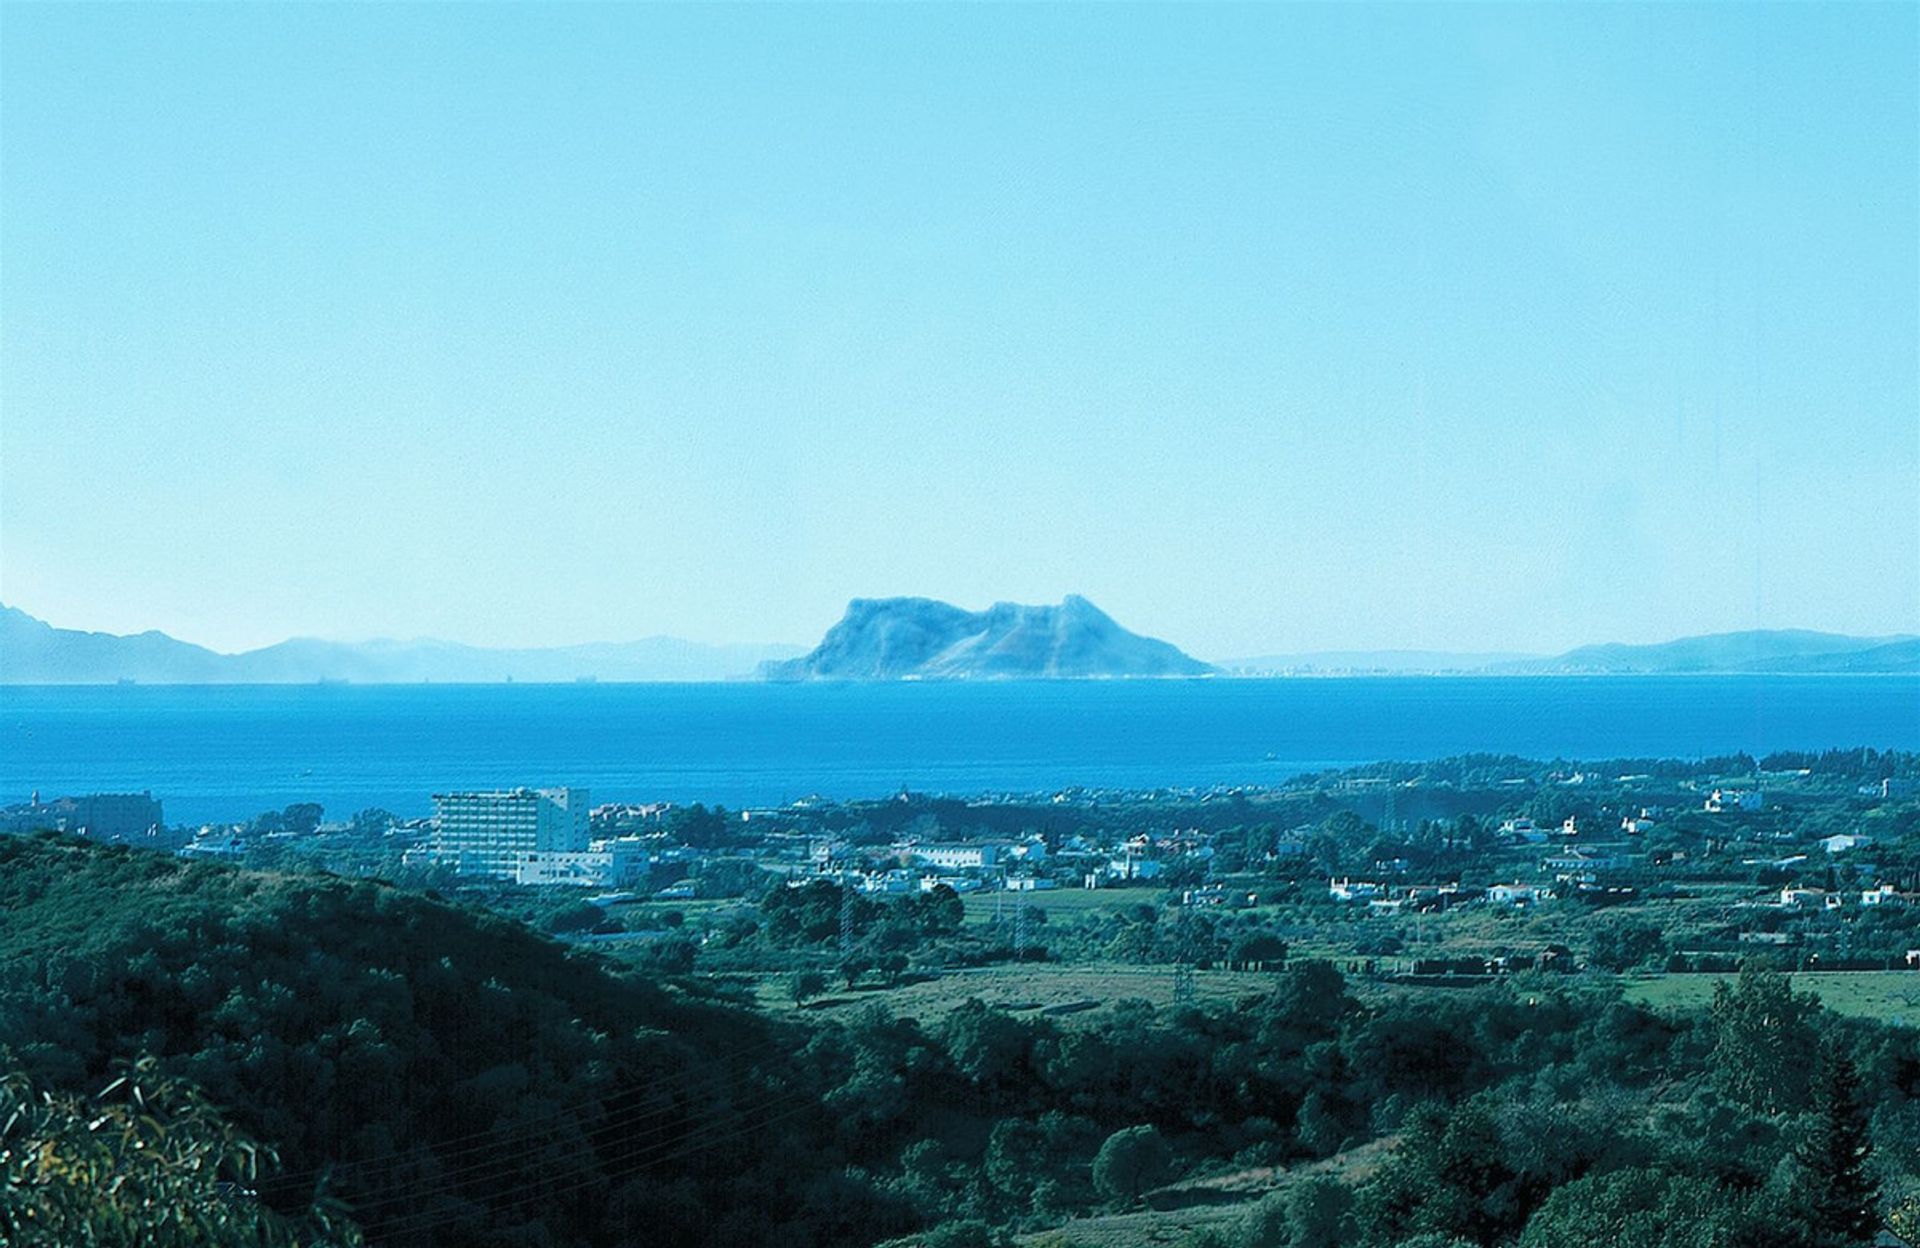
[492, 833]
[1721, 801]
[955, 857]
[608, 864]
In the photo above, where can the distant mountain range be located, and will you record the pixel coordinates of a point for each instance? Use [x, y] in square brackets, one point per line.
[886, 639]
[1778, 650]
[922, 639]
[33, 652]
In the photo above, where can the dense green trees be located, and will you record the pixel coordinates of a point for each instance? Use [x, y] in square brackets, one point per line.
[454, 1078]
[1763, 1040]
[1130, 1162]
[1838, 1187]
[448, 1075]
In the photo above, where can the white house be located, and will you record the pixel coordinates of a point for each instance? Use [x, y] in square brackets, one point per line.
[1030, 883]
[1794, 897]
[1883, 896]
[1517, 894]
[1720, 801]
[1354, 890]
[1845, 841]
[1128, 867]
[1522, 832]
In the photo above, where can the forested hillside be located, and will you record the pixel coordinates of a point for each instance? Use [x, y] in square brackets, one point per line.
[436, 1075]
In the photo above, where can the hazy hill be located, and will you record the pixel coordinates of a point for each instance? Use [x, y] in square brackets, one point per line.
[33, 652]
[1776, 650]
[922, 639]
[1364, 662]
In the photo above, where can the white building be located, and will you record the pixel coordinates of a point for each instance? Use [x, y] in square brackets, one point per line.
[958, 883]
[491, 833]
[1522, 832]
[954, 857]
[1517, 894]
[1720, 801]
[1845, 841]
[1029, 883]
[1587, 860]
[1128, 867]
[608, 864]
[1354, 890]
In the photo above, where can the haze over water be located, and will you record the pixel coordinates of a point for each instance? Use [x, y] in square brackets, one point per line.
[218, 753]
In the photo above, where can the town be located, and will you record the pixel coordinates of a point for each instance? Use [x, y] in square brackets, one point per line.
[1460, 867]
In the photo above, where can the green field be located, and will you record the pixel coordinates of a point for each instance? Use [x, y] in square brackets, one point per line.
[1030, 987]
[1890, 996]
[1064, 903]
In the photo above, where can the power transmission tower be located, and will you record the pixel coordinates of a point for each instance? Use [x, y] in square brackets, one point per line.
[1182, 985]
[846, 921]
[1389, 818]
[1019, 932]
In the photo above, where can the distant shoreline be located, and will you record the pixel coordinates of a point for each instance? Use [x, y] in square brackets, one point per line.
[1217, 678]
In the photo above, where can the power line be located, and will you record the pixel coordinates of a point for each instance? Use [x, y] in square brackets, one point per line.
[688, 1146]
[491, 1137]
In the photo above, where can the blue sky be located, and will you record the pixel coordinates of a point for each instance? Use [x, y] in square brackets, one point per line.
[1268, 328]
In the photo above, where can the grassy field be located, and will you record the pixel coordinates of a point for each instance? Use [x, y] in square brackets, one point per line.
[1030, 987]
[1890, 996]
[1059, 902]
[1217, 1202]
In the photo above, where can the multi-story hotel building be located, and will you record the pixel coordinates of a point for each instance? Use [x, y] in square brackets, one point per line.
[492, 833]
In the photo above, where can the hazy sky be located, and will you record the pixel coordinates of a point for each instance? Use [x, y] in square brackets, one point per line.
[1267, 328]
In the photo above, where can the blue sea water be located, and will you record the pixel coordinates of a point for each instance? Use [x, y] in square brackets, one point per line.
[228, 752]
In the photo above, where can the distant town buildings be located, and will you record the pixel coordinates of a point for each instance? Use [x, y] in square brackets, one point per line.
[104, 816]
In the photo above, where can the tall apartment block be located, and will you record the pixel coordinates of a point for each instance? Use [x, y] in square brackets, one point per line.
[490, 833]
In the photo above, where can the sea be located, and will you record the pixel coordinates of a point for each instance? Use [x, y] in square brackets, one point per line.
[215, 753]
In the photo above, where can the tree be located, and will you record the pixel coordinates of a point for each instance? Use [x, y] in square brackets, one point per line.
[673, 956]
[147, 1162]
[1763, 1042]
[1131, 1162]
[1259, 951]
[1624, 944]
[1841, 1193]
[573, 916]
[1319, 1213]
[373, 821]
[805, 986]
[1314, 1213]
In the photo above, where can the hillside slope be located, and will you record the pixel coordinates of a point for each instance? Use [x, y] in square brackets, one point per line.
[451, 1076]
